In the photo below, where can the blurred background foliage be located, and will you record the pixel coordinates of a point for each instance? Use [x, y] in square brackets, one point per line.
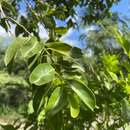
[14, 89]
[104, 60]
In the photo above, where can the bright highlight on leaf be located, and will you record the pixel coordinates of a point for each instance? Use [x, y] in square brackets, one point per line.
[42, 74]
[74, 106]
[56, 102]
[30, 48]
[84, 93]
[12, 50]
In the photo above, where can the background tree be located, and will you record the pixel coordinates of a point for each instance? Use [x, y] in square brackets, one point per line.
[67, 91]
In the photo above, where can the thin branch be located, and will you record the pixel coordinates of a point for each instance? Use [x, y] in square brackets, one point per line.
[9, 18]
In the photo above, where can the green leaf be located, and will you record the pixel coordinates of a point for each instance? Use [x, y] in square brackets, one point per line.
[49, 22]
[111, 62]
[127, 89]
[114, 76]
[30, 48]
[76, 52]
[74, 106]
[125, 110]
[61, 30]
[38, 98]
[30, 107]
[127, 127]
[8, 127]
[60, 47]
[56, 102]
[12, 50]
[78, 67]
[42, 74]
[122, 41]
[8, 7]
[4, 23]
[126, 64]
[41, 116]
[84, 93]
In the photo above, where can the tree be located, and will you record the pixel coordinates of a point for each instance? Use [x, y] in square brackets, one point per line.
[63, 89]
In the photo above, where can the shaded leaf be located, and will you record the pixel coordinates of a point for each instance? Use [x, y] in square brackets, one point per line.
[49, 22]
[125, 110]
[8, 7]
[4, 24]
[60, 47]
[8, 127]
[76, 52]
[39, 97]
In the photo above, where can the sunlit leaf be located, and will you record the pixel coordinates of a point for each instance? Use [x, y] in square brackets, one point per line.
[56, 102]
[12, 50]
[30, 107]
[114, 76]
[127, 89]
[127, 127]
[122, 41]
[30, 48]
[41, 116]
[74, 106]
[42, 74]
[111, 62]
[61, 30]
[84, 93]
[38, 99]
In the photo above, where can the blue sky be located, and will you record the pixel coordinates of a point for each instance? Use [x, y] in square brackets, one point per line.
[73, 35]
[123, 7]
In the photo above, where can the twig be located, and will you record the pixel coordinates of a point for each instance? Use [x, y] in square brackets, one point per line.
[9, 18]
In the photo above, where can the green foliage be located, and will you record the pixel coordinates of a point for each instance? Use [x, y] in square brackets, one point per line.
[55, 102]
[12, 50]
[84, 93]
[74, 105]
[30, 47]
[69, 88]
[8, 127]
[111, 62]
[60, 48]
[42, 74]
[53, 87]
[123, 42]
